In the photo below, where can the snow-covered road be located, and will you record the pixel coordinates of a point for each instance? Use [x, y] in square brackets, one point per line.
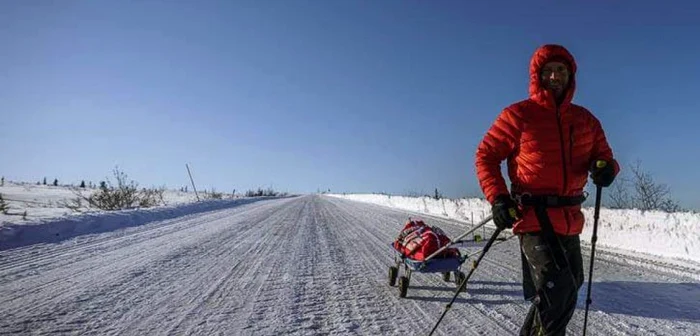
[309, 265]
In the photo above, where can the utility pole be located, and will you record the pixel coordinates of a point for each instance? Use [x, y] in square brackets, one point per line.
[192, 180]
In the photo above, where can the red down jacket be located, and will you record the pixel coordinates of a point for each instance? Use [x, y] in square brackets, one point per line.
[549, 149]
[418, 241]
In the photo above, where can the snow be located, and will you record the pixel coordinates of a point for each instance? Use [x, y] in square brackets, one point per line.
[667, 235]
[311, 265]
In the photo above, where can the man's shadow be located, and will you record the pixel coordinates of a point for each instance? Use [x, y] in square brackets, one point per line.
[660, 300]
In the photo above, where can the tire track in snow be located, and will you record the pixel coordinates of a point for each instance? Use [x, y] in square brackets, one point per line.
[373, 261]
[312, 289]
[385, 316]
[194, 318]
[285, 296]
[208, 275]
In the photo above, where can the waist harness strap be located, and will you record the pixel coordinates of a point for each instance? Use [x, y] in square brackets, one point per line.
[549, 201]
[540, 203]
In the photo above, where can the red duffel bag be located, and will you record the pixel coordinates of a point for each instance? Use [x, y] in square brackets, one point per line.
[418, 241]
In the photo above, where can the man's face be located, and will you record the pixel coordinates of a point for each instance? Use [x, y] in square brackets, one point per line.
[555, 77]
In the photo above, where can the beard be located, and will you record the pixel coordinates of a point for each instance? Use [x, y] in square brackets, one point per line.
[555, 86]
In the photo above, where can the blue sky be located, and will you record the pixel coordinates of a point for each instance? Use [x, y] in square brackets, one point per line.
[352, 96]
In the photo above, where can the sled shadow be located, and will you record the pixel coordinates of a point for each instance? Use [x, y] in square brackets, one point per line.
[495, 283]
[474, 293]
[451, 287]
[669, 301]
[460, 299]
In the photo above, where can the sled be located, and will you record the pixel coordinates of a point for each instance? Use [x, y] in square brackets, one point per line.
[446, 262]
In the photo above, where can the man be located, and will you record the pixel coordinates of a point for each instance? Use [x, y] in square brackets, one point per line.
[550, 145]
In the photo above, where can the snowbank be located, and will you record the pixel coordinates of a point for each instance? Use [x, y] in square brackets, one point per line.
[44, 202]
[49, 220]
[54, 230]
[673, 235]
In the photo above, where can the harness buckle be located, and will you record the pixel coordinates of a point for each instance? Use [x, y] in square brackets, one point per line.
[519, 197]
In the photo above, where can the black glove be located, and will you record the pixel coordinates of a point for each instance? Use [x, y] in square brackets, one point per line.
[505, 212]
[602, 173]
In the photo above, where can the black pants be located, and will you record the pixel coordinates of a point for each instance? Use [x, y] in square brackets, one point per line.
[552, 288]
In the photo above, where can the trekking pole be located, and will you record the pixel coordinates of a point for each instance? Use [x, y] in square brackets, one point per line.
[459, 239]
[596, 214]
[464, 282]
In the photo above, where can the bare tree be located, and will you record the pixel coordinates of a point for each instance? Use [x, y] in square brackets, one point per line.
[641, 191]
[151, 197]
[619, 194]
[124, 195]
[213, 194]
[650, 195]
[267, 192]
[75, 204]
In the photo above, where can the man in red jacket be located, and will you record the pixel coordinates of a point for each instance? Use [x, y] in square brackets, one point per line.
[551, 145]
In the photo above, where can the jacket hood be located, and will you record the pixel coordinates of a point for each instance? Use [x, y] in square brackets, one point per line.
[541, 56]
